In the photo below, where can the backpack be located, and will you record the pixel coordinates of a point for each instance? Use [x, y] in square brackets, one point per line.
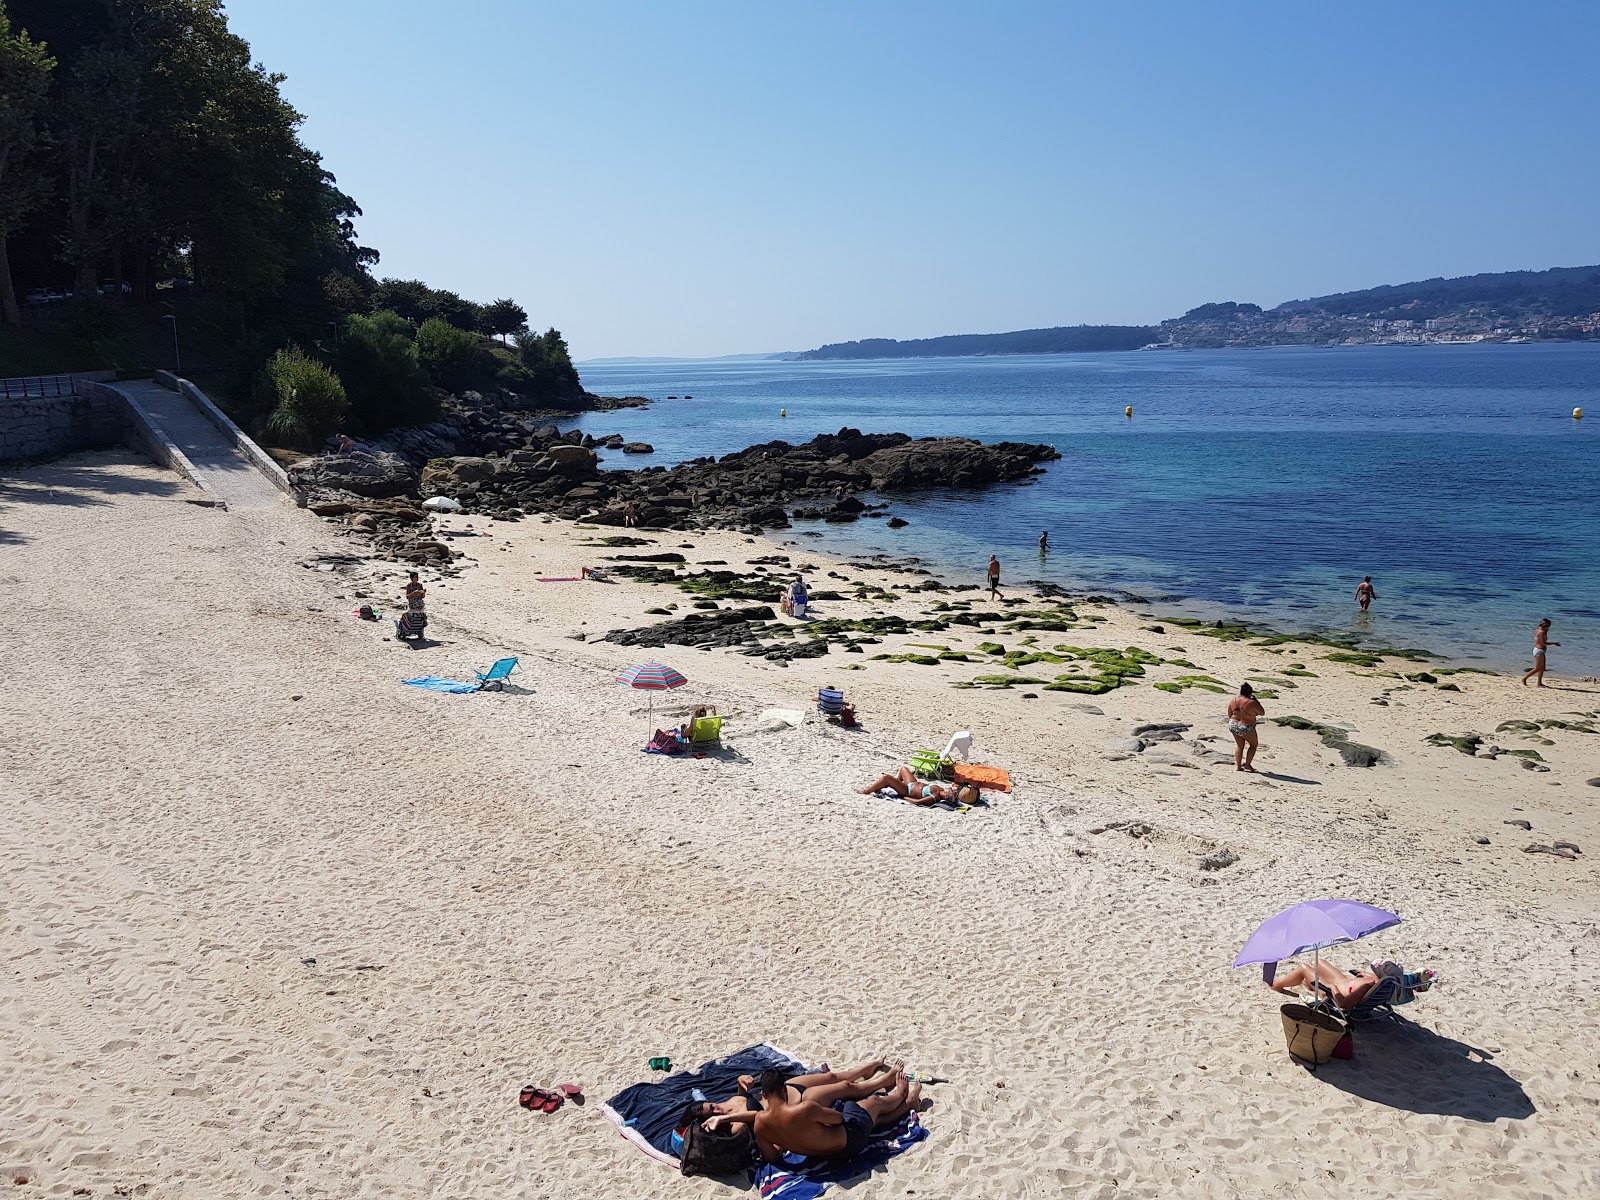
[726, 1151]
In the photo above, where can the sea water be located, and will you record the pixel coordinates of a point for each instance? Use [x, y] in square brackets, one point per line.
[1257, 484]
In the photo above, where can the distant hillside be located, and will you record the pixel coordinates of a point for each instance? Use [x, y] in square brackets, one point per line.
[1062, 339]
[1558, 292]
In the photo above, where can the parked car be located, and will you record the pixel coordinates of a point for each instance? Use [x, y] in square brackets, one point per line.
[44, 296]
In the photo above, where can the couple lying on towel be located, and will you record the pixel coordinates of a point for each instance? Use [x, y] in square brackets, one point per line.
[823, 1116]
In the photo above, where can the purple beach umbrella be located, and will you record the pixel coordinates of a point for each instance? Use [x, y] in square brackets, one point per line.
[652, 677]
[1314, 925]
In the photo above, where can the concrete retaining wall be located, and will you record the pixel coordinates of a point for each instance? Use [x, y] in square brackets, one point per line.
[257, 457]
[42, 428]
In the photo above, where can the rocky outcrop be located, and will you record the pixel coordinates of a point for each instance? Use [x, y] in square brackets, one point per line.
[550, 472]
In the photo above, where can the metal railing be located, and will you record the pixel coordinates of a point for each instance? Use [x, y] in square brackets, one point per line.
[38, 386]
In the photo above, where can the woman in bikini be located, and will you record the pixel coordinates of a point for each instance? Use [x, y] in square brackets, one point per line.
[907, 786]
[1244, 710]
[1541, 640]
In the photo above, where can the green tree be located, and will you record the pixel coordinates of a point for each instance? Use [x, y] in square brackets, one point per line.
[24, 81]
[504, 317]
[550, 376]
[451, 357]
[381, 373]
[308, 401]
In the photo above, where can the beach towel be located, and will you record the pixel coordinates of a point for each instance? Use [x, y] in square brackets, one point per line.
[648, 1113]
[434, 684]
[558, 579]
[995, 779]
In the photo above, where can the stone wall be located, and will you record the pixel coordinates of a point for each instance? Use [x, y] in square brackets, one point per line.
[45, 427]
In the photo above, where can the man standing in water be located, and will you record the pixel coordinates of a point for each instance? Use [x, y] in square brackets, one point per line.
[1044, 542]
[994, 578]
[1366, 593]
[1541, 639]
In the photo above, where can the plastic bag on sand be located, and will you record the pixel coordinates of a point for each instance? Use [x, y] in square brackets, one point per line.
[441, 504]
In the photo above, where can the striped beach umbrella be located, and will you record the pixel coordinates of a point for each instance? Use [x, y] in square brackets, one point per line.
[652, 678]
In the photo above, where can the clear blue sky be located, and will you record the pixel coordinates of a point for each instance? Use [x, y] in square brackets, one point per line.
[686, 178]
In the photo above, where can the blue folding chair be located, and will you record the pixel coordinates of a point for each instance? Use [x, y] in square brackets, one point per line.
[496, 675]
[1375, 1005]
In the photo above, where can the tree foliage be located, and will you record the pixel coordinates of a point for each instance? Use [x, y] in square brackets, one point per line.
[452, 358]
[308, 402]
[146, 157]
[504, 317]
[382, 375]
[24, 81]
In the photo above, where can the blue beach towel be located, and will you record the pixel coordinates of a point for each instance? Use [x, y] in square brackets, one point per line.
[434, 684]
[648, 1113]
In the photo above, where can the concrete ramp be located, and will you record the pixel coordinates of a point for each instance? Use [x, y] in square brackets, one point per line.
[224, 458]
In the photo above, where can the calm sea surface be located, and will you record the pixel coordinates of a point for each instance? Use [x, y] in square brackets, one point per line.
[1258, 483]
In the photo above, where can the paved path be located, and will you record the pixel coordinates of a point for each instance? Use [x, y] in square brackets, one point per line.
[225, 470]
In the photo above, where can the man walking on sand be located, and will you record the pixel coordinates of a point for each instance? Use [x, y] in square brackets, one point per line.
[994, 578]
[1366, 593]
[1541, 639]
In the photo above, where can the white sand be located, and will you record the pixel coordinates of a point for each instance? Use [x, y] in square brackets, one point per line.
[211, 773]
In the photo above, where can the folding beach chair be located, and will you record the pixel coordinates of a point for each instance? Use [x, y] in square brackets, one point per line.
[496, 675]
[706, 729]
[1376, 1005]
[830, 702]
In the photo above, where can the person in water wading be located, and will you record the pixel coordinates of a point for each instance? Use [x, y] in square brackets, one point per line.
[1366, 593]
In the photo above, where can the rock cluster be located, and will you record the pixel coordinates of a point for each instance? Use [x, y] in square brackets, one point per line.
[508, 465]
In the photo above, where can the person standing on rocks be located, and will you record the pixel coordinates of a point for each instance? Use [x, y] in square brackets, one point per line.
[1366, 593]
[994, 578]
[1541, 640]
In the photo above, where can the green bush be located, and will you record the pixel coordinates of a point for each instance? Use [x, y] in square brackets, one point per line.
[308, 401]
[451, 357]
[381, 372]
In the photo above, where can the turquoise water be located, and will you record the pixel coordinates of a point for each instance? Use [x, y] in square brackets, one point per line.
[1258, 483]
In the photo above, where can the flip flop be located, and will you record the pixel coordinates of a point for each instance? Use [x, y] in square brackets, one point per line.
[538, 1100]
[570, 1090]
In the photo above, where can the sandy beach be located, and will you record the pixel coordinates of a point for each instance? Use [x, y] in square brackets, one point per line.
[275, 924]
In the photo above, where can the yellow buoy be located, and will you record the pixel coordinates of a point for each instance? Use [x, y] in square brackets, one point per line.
[783, 412]
[1577, 414]
[1128, 412]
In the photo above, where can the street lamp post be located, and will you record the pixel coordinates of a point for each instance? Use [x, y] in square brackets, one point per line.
[177, 362]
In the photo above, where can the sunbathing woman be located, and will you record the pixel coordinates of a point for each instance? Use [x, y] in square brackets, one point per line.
[1348, 990]
[831, 1121]
[906, 785]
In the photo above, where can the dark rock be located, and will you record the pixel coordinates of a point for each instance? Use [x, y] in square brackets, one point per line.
[375, 476]
[897, 522]
[1519, 824]
[638, 448]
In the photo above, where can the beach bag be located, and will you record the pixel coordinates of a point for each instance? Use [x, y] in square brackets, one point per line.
[727, 1150]
[1313, 1037]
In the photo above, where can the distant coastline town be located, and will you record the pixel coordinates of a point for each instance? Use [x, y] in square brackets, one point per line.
[1561, 304]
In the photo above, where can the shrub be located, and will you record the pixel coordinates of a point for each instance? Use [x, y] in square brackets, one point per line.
[308, 401]
[450, 356]
[378, 363]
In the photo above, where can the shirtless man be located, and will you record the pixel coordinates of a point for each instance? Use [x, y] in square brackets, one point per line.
[1541, 639]
[831, 1121]
[748, 1097]
[994, 576]
[1366, 593]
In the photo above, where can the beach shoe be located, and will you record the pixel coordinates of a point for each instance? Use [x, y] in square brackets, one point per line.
[571, 1091]
[538, 1100]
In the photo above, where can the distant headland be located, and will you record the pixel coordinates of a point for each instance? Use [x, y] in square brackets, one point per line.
[1561, 304]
